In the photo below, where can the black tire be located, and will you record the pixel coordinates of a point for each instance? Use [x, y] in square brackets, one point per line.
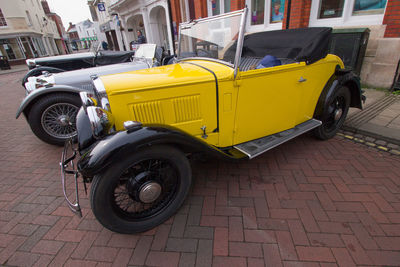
[121, 179]
[50, 127]
[332, 121]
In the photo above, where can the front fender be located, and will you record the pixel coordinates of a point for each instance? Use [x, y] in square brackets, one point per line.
[114, 148]
[38, 71]
[43, 91]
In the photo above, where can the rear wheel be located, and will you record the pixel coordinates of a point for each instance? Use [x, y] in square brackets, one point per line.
[141, 191]
[334, 114]
[53, 118]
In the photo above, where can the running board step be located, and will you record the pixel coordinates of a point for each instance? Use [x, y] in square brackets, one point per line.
[258, 146]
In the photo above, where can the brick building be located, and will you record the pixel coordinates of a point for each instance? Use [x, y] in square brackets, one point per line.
[382, 17]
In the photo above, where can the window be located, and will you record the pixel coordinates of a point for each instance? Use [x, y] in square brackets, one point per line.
[216, 7]
[330, 9]
[29, 18]
[265, 14]
[369, 7]
[347, 12]
[3, 21]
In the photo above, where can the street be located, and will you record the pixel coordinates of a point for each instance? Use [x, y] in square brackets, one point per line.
[304, 203]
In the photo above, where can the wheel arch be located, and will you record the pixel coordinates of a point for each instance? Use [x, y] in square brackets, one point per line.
[341, 77]
[112, 148]
[36, 95]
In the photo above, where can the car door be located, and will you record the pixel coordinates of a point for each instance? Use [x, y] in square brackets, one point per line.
[268, 100]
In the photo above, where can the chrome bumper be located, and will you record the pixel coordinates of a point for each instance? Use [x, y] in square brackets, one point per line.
[68, 168]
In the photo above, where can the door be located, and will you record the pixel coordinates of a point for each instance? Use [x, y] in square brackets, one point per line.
[268, 101]
[114, 40]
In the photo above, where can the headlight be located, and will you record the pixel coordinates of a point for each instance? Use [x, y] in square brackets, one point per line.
[39, 82]
[101, 121]
[101, 93]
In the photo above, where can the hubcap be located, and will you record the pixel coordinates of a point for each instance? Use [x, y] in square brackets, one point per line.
[64, 120]
[338, 114]
[150, 192]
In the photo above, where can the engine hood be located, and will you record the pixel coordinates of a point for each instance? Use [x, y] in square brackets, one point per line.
[81, 78]
[184, 72]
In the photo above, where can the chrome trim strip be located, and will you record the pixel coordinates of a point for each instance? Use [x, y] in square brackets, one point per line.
[207, 58]
[225, 15]
[239, 45]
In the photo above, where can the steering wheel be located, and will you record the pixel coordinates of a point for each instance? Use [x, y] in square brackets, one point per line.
[203, 53]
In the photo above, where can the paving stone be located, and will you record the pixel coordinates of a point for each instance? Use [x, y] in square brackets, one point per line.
[304, 203]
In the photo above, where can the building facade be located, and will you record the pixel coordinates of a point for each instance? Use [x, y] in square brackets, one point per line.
[382, 17]
[106, 24]
[87, 33]
[150, 17]
[26, 31]
[62, 43]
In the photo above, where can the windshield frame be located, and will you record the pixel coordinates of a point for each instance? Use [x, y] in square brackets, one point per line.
[239, 46]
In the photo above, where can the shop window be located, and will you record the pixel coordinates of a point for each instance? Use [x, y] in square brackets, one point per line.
[330, 9]
[347, 12]
[216, 7]
[3, 21]
[277, 11]
[265, 14]
[369, 7]
[257, 12]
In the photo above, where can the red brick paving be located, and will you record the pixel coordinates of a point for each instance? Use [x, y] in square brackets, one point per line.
[305, 203]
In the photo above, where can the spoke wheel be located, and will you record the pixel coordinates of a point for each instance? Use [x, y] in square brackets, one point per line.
[145, 188]
[141, 189]
[53, 117]
[59, 120]
[334, 114]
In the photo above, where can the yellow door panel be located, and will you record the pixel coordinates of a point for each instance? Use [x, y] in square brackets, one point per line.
[268, 100]
[317, 75]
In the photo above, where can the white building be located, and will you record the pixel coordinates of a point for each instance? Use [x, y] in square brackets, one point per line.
[25, 30]
[87, 33]
[151, 17]
[106, 24]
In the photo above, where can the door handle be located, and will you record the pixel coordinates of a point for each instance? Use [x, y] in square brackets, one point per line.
[301, 80]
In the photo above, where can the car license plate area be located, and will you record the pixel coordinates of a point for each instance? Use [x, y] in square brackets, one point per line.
[68, 169]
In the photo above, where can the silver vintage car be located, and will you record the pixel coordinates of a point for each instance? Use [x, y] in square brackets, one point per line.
[52, 99]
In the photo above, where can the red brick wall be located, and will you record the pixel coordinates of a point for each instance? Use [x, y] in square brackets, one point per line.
[200, 8]
[299, 14]
[176, 11]
[237, 4]
[392, 19]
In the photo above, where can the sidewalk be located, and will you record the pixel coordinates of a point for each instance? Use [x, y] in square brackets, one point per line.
[379, 120]
[16, 68]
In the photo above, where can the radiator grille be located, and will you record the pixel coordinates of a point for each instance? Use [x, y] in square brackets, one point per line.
[187, 108]
[149, 112]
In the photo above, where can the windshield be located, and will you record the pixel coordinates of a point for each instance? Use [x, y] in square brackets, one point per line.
[145, 51]
[213, 37]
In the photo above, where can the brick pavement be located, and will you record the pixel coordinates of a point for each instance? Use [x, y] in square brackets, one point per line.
[305, 203]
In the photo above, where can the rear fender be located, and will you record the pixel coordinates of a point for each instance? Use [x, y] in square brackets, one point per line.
[341, 77]
[114, 148]
[36, 94]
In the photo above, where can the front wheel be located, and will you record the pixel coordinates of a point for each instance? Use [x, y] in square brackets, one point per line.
[142, 190]
[334, 114]
[53, 117]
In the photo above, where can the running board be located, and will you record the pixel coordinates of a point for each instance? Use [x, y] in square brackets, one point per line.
[256, 147]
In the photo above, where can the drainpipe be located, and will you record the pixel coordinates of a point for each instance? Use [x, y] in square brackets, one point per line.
[172, 26]
[289, 6]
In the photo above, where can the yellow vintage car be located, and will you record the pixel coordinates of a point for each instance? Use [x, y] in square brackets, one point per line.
[226, 94]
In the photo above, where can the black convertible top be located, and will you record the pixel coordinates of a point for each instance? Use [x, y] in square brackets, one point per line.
[304, 44]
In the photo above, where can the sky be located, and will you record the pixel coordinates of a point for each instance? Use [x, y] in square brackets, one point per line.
[70, 10]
